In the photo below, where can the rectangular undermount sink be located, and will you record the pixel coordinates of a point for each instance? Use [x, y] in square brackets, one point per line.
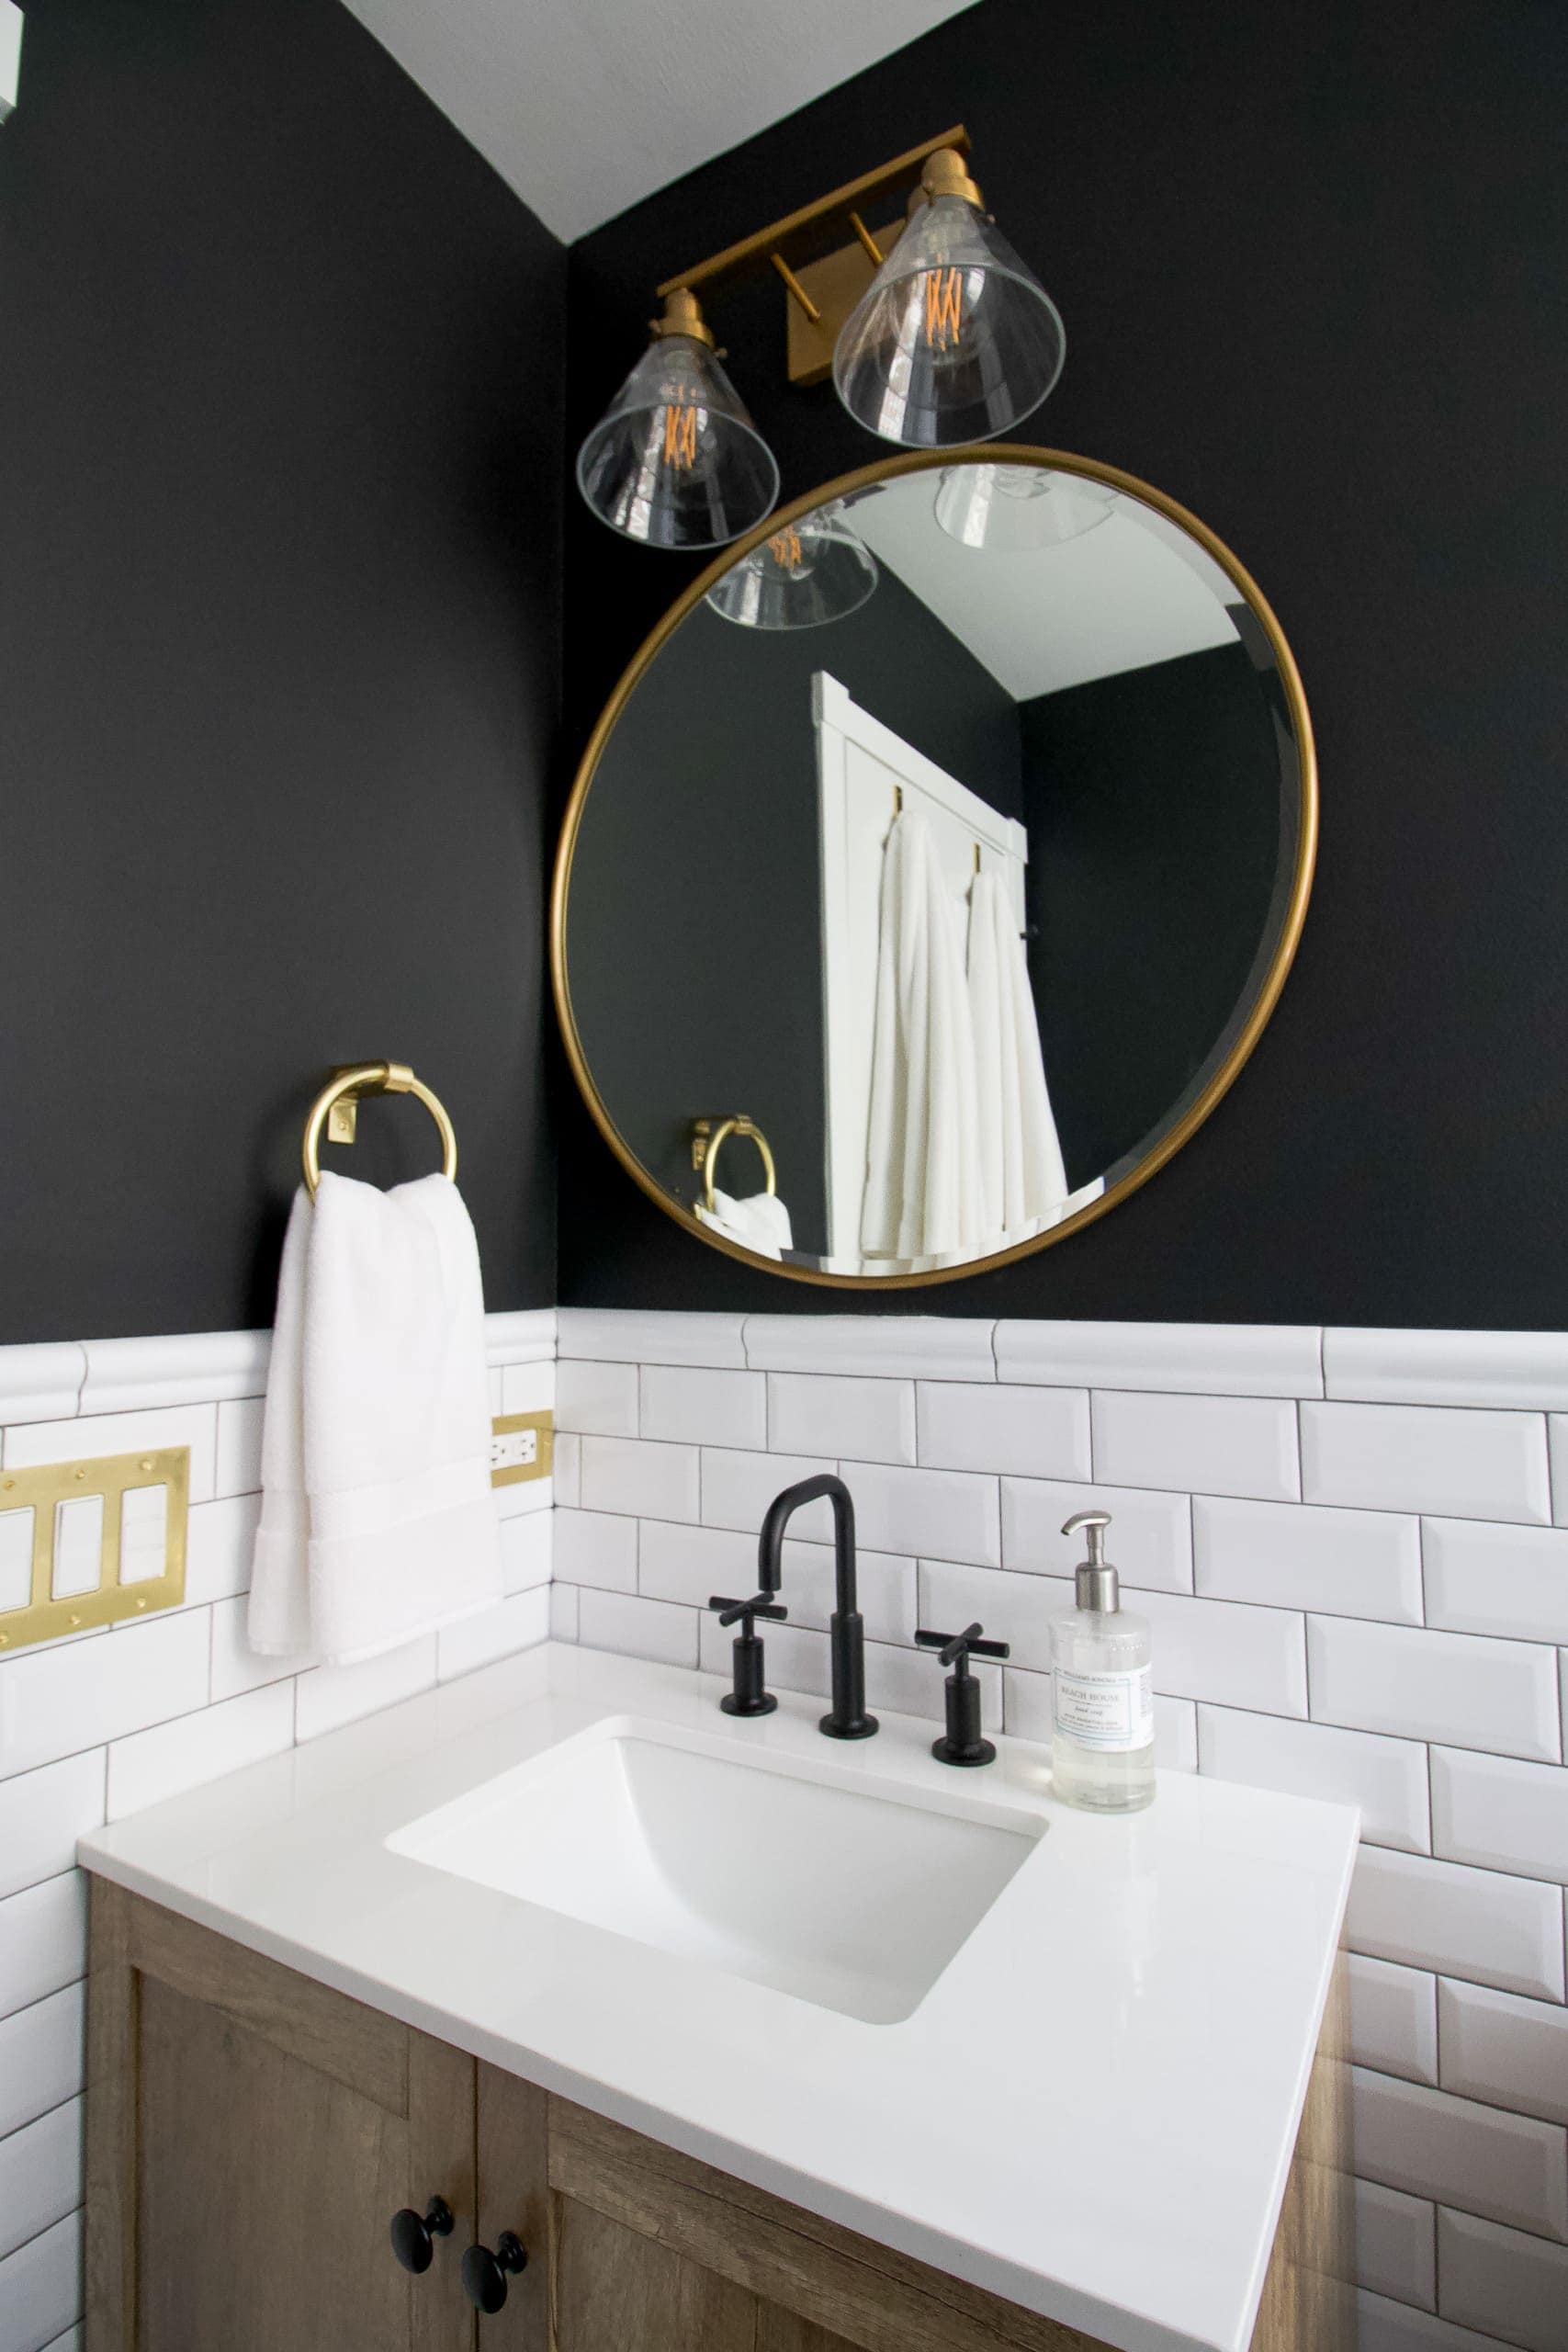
[775, 1869]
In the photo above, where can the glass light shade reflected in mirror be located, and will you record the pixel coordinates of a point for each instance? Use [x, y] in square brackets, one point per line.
[956, 340]
[811, 572]
[943, 926]
[675, 461]
[1010, 509]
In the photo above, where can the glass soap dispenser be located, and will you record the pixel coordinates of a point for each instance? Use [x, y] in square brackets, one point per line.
[1102, 1710]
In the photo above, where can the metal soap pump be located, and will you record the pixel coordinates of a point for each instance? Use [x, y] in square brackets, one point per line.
[1102, 1739]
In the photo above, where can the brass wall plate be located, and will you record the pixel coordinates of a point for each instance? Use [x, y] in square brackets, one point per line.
[835, 285]
[506, 1430]
[43, 1617]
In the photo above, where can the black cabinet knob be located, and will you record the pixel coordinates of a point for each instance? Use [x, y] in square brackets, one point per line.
[485, 2274]
[413, 2233]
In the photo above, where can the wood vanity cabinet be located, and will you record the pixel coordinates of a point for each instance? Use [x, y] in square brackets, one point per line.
[250, 2133]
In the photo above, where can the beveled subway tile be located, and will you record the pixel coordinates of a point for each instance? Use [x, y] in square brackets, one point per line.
[1462, 1922]
[1299, 1555]
[1012, 1609]
[59, 1698]
[1464, 1688]
[1426, 1458]
[686, 1403]
[643, 1480]
[326, 1696]
[692, 1564]
[1394, 2018]
[528, 1551]
[1503, 2050]
[42, 1814]
[41, 2175]
[40, 2288]
[1397, 2245]
[1149, 1539]
[237, 1462]
[598, 1548]
[872, 1420]
[1509, 2168]
[1387, 1777]
[563, 1613]
[952, 1513]
[1506, 2281]
[42, 2056]
[737, 1489]
[1209, 1359]
[636, 1627]
[1500, 1814]
[595, 1399]
[1212, 1445]
[43, 1940]
[1387, 2326]
[872, 1347]
[89, 1439]
[1481, 1578]
[1029, 1433]
[151, 1765]
[513, 1624]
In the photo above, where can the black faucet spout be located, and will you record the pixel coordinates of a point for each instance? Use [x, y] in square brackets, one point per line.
[847, 1717]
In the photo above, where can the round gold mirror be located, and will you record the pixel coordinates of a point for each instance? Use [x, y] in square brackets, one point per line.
[934, 866]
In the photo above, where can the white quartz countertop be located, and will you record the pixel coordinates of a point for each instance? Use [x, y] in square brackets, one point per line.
[1092, 2111]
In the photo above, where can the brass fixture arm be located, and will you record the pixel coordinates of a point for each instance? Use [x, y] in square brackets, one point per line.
[340, 1101]
[706, 1140]
[794, 237]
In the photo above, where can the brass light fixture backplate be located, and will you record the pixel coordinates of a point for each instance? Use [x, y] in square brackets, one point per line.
[41, 1490]
[835, 285]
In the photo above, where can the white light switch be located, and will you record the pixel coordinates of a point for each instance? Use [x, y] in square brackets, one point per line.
[10, 55]
[16, 1558]
[78, 1545]
[143, 1533]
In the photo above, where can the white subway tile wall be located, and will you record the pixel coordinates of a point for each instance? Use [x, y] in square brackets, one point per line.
[1349, 1544]
[98, 1726]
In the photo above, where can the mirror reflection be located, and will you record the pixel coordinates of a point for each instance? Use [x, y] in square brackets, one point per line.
[935, 868]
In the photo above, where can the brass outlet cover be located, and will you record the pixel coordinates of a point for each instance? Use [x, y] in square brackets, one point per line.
[519, 1474]
[41, 1490]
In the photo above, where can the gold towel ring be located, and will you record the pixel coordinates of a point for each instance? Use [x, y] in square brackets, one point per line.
[341, 1097]
[739, 1126]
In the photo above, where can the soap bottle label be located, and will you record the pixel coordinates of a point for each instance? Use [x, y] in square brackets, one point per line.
[1105, 1711]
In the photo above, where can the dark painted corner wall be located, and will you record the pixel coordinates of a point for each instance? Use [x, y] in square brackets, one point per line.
[279, 654]
[1310, 259]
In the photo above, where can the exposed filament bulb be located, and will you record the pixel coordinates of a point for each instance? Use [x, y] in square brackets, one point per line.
[681, 436]
[944, 308]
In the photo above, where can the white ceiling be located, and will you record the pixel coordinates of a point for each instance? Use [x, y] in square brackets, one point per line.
[1132, 591]
[585, 106]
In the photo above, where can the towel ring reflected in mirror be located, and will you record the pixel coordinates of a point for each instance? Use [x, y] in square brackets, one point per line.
[1020, 589]
[706, 1140]
[336, 1109]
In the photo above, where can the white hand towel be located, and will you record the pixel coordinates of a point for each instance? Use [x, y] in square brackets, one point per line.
[378, 1520]
[760, 1222]
[1023, 1182]
[922, 1191]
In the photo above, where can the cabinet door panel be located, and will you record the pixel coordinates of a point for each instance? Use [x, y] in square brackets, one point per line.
[265, 2190]
[619, 2291]
[781, 2331]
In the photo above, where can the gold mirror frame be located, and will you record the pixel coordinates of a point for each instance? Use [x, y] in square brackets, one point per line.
[890, 469]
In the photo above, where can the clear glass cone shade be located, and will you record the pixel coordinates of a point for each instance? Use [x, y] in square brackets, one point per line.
[675, 461]
[814, 571]
[954, 340]
[1012, 509]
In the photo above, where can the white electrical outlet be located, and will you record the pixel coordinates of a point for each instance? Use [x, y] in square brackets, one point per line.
[10, 56]
[513, 1449]
[522, 1446]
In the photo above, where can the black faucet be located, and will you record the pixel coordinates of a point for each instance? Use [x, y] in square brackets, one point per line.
[847, 1717]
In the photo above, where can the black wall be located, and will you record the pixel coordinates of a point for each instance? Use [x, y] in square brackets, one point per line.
[280, 546]
[1310, 260]
[1152, 800]
[696, 926]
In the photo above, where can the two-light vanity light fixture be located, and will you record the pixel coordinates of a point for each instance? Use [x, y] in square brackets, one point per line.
[952, 341]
